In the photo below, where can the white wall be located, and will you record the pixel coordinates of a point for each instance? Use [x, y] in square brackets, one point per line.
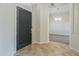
[44, 23]
[8, 28]
[59, 27]
[74, 18]
[35, 23]
[40, 21]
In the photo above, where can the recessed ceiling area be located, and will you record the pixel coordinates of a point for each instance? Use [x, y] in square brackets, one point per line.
[59, 8]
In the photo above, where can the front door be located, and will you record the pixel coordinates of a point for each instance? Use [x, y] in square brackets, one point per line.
[24, 25]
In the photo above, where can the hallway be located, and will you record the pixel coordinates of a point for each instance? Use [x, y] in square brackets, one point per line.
[47, 49]
[30, 24]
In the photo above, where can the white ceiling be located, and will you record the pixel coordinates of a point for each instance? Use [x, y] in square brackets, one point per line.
[27, 4]
[53, 9]
[59, 8]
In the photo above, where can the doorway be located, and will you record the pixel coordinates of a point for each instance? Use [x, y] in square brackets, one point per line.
[24, 25]
[59, 30]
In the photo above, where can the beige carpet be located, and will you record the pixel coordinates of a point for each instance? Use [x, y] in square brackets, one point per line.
[47, 49]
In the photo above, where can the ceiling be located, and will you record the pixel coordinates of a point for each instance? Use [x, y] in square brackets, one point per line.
[59, 8]
[27, 4]
[54, 8]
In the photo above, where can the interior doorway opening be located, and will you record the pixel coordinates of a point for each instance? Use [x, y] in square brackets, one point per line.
[59, 29]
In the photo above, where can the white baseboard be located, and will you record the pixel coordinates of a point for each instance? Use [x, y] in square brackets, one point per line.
[44, 42]
[74, 49]
[35, 42]
[40, 42]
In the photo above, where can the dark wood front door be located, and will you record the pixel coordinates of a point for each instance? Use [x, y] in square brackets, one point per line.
[24, 25]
